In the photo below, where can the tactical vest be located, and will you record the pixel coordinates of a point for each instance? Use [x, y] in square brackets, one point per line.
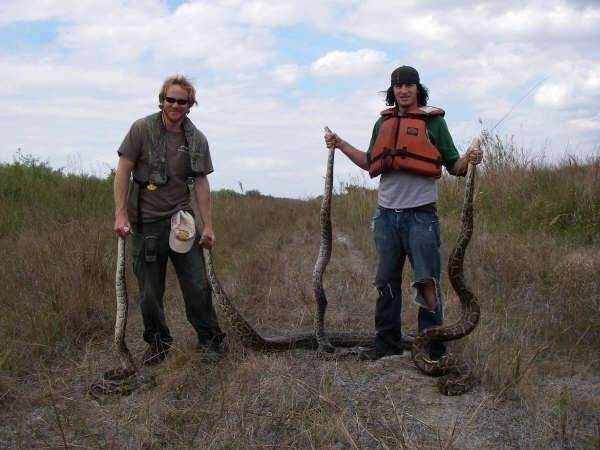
[403, 143]
[157, 158]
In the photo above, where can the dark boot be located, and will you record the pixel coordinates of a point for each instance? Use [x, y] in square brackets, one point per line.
[156, 352]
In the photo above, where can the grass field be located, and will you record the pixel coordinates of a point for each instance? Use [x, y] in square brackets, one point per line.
[533, 262]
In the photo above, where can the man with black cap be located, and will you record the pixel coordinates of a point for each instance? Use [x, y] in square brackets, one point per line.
[164, 152]
[409, 144]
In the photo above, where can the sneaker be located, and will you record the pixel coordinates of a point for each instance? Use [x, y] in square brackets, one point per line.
[368, 353]
[207, 352]
[371, 353]
[212, 349]
[155, 353]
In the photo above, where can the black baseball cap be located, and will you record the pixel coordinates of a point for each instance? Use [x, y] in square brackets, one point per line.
[405, 74]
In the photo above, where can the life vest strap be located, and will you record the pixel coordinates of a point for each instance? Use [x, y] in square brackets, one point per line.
[404, 153]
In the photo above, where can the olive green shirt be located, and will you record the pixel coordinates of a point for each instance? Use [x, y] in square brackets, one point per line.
[166, 199]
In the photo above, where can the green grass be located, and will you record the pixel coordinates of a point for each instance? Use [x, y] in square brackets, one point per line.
[33, 195]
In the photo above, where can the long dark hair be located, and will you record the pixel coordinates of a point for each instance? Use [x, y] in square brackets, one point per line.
[422, 96]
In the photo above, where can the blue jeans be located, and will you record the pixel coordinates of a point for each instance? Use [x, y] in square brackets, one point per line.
[414, 233]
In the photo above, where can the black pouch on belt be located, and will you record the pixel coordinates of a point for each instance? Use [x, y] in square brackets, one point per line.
[150, 248]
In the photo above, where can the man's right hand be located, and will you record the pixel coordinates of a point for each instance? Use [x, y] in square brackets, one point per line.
[332, 140]
[122, 226]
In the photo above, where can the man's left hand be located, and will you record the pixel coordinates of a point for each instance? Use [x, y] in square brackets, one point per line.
[208, 239]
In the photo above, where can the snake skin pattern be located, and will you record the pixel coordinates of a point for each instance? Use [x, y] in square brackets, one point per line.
[324, 342]
[250, 338]
[457, 375]
[127, 363]
[126, 378]
[319, 340]
[324, 256]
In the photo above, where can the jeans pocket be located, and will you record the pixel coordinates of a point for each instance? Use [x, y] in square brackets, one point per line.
[376, 215]
[425, 217]
[427, 225]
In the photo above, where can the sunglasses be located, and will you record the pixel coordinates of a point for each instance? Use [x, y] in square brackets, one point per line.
[180, 101]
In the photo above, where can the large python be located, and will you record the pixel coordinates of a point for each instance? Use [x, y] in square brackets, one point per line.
[319, 340]
[457, 375]
[251, 339]
[324, 256]
[126, 378]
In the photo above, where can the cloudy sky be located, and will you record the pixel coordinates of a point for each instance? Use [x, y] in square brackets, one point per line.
[271, 74]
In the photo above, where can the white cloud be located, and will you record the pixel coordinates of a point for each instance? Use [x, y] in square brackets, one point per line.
[88, 11]
[553, 95]
[586, 124]
[316, 13]
[451, 22]
[202, 33]
[268, 13]
[343, 63]
[287, 73]
[47, 78]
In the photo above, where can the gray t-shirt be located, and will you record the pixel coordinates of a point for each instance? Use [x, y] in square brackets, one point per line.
[399, 189]
[171, 197]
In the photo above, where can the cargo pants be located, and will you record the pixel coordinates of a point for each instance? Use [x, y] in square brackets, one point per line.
[151, 251]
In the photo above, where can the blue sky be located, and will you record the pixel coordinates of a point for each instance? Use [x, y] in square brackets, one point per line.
[270, 75]
[27, 35]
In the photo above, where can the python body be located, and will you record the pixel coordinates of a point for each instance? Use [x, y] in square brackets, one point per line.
[457, 375]
[325, 342]
[126, 378]
[251, 339]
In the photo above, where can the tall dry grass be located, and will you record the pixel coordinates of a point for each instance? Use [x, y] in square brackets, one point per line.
[534, 254]
[533, 263]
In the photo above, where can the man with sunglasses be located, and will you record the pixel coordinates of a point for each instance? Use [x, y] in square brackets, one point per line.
[160, 155]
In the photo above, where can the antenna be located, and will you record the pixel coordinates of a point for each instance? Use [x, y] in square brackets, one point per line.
[518, 103]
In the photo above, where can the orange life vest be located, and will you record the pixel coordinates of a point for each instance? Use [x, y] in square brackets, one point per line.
[403, 144]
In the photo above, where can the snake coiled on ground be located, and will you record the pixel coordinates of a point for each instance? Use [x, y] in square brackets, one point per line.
[126, 378]
[457, 376]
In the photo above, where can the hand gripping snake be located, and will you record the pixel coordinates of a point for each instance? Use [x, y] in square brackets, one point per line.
[457, 375]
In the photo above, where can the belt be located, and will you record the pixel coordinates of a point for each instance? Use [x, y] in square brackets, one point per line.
[429, 207]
